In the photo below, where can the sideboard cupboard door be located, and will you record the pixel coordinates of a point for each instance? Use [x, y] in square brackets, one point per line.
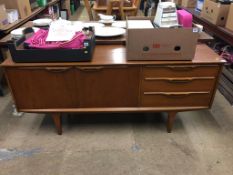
[43, 87]
[103, 86]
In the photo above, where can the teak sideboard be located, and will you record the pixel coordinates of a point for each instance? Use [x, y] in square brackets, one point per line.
[110, 83]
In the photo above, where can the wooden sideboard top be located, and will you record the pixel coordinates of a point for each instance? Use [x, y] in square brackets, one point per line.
[116, 55]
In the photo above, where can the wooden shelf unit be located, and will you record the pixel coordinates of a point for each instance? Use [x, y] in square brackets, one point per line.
[226, 80]
[8, 28]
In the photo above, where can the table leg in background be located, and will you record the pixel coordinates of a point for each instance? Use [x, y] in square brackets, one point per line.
[1, 90]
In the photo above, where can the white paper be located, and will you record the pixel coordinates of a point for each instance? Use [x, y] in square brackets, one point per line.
[61, 30]
[140, 24]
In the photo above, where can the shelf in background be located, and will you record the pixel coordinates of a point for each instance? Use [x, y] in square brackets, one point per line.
[226, 79]
[226, 84]
[221, 32]
[6, 29]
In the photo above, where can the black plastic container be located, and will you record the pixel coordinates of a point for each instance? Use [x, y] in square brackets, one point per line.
[20, 54]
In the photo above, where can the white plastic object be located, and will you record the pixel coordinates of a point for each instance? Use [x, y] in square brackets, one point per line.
[166, 15]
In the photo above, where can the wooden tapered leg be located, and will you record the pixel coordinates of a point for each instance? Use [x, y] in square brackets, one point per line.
[170, 121]
[57, 121]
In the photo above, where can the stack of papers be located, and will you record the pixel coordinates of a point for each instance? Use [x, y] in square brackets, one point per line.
[61, 30]
[140, 24]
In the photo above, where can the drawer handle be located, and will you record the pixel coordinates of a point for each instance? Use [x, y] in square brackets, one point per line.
[57, 69]
[187, 80]
[174, 94]
[98, 68]
[181, 68]
[177, 67]
[180, 80]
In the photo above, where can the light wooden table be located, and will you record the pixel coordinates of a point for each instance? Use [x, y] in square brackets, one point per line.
[122, 10]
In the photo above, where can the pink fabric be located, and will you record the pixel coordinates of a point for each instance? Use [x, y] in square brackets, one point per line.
[38, 40]
[185, 18]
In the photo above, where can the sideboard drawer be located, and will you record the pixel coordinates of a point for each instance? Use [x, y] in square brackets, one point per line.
[186, 84]
[180, 71]
[175, 99]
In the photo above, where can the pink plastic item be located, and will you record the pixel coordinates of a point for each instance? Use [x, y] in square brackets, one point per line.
[185, 18]
[38, 40]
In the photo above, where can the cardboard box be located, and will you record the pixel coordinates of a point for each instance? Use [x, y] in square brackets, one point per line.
[160, 43]
[189, 3]
[3, 16]
[229, 24]
[23, 6]
[215, 13]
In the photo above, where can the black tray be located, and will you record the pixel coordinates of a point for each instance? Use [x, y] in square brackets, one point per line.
[20, 54]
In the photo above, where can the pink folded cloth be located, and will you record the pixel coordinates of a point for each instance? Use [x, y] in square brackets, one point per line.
[38, 40]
